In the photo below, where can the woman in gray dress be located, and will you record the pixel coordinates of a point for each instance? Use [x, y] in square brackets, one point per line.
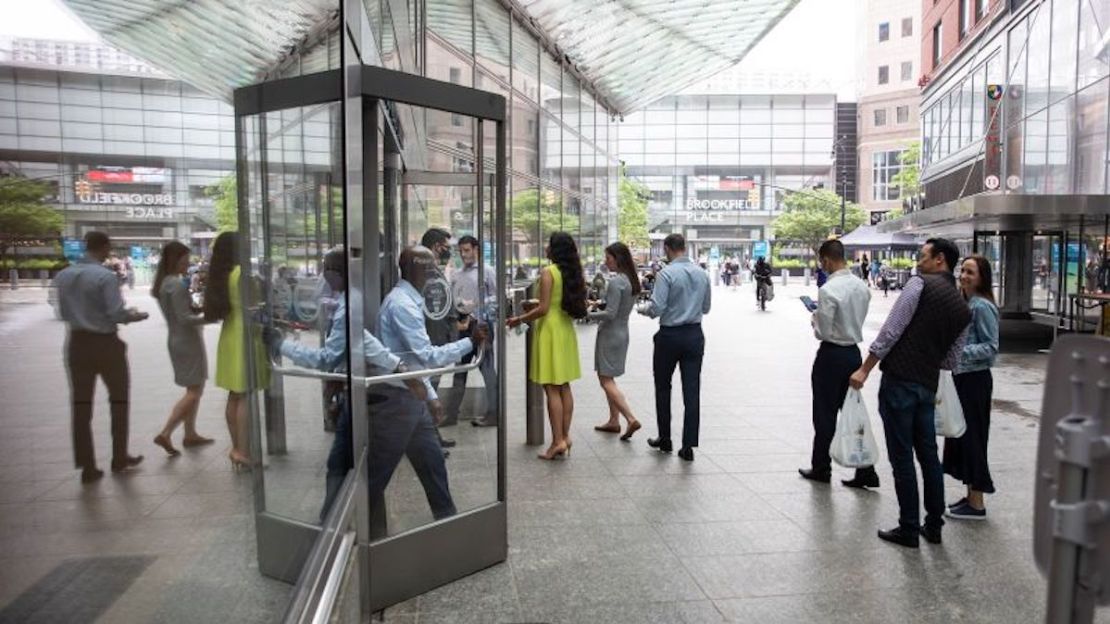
[186, 344]
[611, 348]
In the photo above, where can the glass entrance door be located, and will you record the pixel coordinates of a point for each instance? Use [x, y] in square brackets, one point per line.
[373, 280]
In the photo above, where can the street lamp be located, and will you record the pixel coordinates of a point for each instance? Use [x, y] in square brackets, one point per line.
[842, 178]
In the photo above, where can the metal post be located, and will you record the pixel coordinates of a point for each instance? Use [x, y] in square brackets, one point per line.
[843, 205]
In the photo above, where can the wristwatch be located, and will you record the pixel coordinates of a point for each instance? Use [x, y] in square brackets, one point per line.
[401, 368]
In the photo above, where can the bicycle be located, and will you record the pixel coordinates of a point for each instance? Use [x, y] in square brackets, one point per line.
[761, 295]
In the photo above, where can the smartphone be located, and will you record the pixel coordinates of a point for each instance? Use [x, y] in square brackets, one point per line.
[809, 303]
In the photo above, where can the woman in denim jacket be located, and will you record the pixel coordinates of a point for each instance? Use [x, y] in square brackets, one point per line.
[965, 458]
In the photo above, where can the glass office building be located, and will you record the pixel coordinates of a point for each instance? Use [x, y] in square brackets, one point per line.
[122, 147]
[1015, 154]
[718, 166]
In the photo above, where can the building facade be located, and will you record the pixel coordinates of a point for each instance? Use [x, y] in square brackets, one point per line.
[888, 68]
[122, 147]
[1015, 151]
[718, 165]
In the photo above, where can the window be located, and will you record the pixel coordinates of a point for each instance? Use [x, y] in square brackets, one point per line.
[880, 117]
[907, 71]
[884, 167]
[902, 114]
[965, 17]
[937, 44]
[884, 31]
[884, 74]
[907, 26]
[981, 9]
[456, 75]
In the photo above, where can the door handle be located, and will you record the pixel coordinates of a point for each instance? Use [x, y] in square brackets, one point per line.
[427, 372]
[376, 379]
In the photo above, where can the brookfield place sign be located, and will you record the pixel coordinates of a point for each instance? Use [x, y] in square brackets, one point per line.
[721, 204]
[127, 199]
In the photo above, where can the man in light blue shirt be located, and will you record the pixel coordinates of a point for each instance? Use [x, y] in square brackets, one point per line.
[403, 425]
[90, 303]
[680, 297]
[332, 357]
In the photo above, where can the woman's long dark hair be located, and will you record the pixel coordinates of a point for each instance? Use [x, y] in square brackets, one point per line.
[623, 256]
[564, 253]
[171, 254]
[985, 288]
[217, 299]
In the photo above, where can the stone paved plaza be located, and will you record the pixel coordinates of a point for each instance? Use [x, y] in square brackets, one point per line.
[616, 533]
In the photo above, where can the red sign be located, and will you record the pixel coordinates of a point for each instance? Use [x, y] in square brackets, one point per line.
[733, 183]
[115, 176]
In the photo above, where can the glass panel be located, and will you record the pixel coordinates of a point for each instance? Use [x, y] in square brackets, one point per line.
[527, 246]
[1065, 25]
[295, 217]
[1094, 21]
[1019, 54]
[526, 71]
[1091, 148]
[1036, 153]
[491, 30]
[1061, 119]
[1036, 92]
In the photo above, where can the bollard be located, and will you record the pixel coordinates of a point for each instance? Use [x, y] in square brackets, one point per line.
[13, 278]
[785, 273]
[533, 399]
[805, 273]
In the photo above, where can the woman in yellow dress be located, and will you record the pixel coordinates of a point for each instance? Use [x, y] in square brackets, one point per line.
[554, 361]
[222, 303]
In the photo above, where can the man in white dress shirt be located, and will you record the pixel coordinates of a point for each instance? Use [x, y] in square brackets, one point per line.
[838, 323]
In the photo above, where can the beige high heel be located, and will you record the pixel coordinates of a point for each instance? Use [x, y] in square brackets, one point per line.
[555, 452]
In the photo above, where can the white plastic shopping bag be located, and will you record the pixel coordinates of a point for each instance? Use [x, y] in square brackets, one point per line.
[854, 445]
[770, 290]
[949, 413]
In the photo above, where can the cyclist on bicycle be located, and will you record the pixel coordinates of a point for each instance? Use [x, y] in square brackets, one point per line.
[762, 273]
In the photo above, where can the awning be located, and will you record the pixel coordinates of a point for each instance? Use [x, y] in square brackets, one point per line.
[869, 237]
[631, 51]
[999, 212]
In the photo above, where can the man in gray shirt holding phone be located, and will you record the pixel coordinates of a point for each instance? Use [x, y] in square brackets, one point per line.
[838, 323]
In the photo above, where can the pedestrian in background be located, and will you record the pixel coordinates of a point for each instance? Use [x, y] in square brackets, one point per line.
[923, 334]
[222, 303]
[864, 267]
[876, 269]
[554, 362]
[965, 457]
[185, 343]
[441, 330]
[680, 298]
[611, 347]
[468, 300]
[838, 323]
[90, 303]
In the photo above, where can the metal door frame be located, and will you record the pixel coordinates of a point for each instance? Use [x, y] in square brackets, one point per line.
[405, 565]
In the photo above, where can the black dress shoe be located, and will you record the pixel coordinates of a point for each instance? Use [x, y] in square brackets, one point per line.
[484, 422]
[128, 462]
[661, 444]
[447, 442]
[863, 480]
[88, 475]
[813, 475]
[686, 453]
[901, 536]
[931, 534]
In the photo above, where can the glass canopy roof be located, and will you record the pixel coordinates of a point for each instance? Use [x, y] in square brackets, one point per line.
[632, 51]
[635, 51]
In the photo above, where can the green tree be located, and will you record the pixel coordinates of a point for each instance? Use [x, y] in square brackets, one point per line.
[633, 205]
[908, 177]
[24, 214]
[225, 196]
[537, 215]
[810, 216]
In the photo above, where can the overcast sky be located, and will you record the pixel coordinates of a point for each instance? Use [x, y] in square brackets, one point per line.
[817, 37]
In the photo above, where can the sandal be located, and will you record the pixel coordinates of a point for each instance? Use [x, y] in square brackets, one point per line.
[165, 443]
[633, 427]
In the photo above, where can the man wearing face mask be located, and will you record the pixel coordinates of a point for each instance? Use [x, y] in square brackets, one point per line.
[405, 426]
[332, 357]
[440, 331]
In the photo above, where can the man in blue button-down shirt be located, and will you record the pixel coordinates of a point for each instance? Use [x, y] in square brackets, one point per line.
[90, 303]
[404, 426]
[332, 357]
[680, 297]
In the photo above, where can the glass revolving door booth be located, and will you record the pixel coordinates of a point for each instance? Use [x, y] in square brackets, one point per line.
[352, 327]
